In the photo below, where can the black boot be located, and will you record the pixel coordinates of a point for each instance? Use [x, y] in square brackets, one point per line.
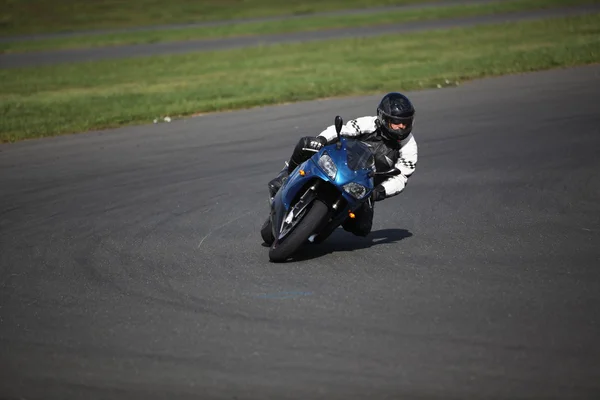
[363, 222]
[275, 184]
[290, 166]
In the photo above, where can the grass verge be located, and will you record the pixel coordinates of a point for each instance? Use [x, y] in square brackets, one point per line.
[21, 17]
[51, 100]
[283, 26]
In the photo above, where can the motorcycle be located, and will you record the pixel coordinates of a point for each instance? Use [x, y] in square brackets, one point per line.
[320, 194]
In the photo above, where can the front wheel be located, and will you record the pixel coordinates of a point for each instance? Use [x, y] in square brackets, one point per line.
[267, 233]
[281, 251]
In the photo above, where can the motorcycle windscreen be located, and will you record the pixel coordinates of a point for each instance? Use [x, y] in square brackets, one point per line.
[359, 155]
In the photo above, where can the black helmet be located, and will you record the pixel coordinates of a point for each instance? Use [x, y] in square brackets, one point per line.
[395, 108]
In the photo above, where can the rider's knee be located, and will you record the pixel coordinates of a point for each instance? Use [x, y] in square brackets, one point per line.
[300, 154]
[362, 224]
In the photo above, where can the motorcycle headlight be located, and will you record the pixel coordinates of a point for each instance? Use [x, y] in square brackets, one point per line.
[356, 190]
[327, 164]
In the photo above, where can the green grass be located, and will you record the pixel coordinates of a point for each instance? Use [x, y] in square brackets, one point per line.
[273, 27]
[46, 101]
[43, 16]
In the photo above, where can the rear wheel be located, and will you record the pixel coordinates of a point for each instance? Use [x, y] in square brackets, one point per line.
[281, 251]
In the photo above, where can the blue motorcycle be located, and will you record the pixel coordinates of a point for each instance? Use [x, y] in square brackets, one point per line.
[320, 194]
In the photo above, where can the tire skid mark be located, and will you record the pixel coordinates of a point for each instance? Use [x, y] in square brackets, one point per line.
[222, 226]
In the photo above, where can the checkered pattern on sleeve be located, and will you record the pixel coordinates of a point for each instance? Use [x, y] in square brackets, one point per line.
[407, 164]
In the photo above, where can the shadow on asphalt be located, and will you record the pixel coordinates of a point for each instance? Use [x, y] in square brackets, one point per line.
[341, 240]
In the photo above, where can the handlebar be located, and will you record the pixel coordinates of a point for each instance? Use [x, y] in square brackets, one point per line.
[391, 172]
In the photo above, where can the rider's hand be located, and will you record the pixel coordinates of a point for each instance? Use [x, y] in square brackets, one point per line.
[316, 143]
[379, 193]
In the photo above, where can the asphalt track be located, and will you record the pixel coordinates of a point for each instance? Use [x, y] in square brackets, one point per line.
[131, 265]
[362, 11]
[19, 60]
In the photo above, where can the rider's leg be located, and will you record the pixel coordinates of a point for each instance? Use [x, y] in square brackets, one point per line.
[276, 183]
[299, 155]
[363, 222]
[302, 152]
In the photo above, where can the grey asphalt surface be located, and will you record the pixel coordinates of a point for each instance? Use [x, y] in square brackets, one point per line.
[131, 265]
[17, 60]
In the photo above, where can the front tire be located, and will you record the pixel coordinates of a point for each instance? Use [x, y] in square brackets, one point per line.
[266, 232]
[281, 251]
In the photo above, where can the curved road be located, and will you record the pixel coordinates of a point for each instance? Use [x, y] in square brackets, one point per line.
[363, 11]
[131, 265]
[34, 59]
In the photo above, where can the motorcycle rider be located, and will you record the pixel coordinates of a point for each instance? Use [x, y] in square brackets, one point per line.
[389, 134]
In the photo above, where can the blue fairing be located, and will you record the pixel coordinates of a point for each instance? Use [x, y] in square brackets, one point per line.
[296, 184]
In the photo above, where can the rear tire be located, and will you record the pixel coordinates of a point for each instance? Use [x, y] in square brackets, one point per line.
[281, 251]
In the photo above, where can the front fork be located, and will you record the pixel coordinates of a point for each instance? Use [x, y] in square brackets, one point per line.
[296, 212]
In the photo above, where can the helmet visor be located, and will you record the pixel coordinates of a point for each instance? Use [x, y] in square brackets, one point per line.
[398, 124]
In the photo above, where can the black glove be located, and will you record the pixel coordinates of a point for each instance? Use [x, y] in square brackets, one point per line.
[379, 193]
[315, 143]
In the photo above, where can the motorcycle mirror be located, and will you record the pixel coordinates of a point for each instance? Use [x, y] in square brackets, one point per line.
[338, 128]
[338, 124]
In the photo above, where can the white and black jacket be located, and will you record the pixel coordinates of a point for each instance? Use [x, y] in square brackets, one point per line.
[388, 154]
